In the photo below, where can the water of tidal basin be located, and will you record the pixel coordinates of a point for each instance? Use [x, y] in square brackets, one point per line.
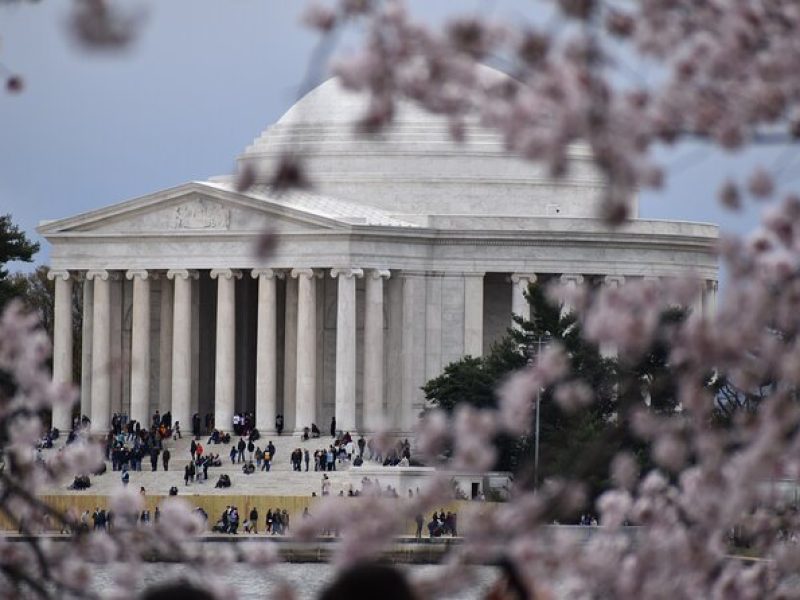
[248, 582]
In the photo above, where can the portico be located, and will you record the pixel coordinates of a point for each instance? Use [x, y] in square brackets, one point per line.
[408, 254]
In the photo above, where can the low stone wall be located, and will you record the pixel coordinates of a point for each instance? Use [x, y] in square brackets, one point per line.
[215, 504]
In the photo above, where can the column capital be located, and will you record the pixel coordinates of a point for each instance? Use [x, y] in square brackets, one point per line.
[614, 280]
[526, 277]
[226, 274]
[62, 274]
[102, 274]
[266, 273]
[182, 274]
[141, 274]
[346, 272]
[379, 273]
[572, 277]
[307, 273]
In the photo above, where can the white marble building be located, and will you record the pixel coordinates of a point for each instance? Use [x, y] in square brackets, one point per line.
[408, 253]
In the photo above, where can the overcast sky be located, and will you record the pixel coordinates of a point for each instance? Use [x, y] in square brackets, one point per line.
[201, 81]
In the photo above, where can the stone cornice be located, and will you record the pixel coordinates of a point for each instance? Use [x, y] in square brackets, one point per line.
[399, 235]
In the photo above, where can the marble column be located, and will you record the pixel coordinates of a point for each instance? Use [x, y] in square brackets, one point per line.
[101, 351]
[290, 355]
[140, 347]
[372, 389]
[306, 380]
[165, 347]
[266, 350]
[225, 371]
[345, 396]
[608, 349]
[519, 303]
[182, 346]
[62, 345]
[473, 314]
[572, 281]
[86, 347]
[413, 349]
[710, 299]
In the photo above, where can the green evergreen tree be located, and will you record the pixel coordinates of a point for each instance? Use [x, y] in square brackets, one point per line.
[579, 444]
[14, 246]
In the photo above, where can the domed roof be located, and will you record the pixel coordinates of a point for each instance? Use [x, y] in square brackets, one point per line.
[413, 167]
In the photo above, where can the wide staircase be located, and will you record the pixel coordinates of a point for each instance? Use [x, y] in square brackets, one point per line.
[280, 480]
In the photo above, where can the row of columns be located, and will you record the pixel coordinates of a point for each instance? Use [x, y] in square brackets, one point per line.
[300, 369]
[175, 338]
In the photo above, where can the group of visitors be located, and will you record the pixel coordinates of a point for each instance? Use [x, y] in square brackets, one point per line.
[441, 523]
[298, 457]
[243, 423]
[276, 521]
[128, 443]
[199, 463]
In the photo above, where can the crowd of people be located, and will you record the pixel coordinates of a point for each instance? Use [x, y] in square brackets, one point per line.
[130, 445]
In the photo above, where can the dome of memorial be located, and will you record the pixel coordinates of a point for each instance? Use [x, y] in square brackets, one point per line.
[414, 166]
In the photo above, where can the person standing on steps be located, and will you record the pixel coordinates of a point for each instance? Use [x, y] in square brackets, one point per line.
[333, 427]
[165, 456]
[279, 424]
[240, 447]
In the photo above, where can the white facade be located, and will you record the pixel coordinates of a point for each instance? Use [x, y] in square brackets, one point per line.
[408, 253]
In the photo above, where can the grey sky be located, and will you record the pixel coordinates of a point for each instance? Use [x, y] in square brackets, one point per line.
[203, 79]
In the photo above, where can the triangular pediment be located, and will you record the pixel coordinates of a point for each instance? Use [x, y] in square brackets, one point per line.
[193, 207]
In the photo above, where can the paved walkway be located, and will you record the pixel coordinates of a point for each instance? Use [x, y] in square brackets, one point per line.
[279, 481]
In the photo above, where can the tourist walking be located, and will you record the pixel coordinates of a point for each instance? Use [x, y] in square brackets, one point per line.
[165, 456]
[267, 460]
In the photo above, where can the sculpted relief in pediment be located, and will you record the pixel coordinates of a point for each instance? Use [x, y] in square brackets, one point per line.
[201, 214]
[193, 213]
